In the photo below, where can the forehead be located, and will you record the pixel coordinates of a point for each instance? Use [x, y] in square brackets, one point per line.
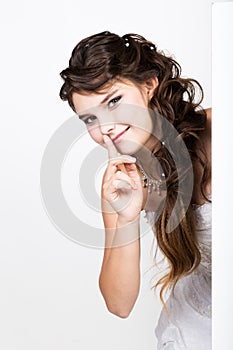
[85, 101]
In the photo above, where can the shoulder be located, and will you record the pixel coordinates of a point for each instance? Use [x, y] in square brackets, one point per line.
[206, 134]
[207, 143]
[209, 114]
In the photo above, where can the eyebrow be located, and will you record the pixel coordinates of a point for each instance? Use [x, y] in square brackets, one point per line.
[108, 96]
[81, 116]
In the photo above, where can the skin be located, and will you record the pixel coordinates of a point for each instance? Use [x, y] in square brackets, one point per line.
[124, 110]
[124, 104]
[205, 137]
[123, 196]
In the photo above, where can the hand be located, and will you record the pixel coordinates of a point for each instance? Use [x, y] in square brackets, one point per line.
[122, 187]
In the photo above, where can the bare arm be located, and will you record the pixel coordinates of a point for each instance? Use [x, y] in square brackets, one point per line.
[120, 274]
[119, 279]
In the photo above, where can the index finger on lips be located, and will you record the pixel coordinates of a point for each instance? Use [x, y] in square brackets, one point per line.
[112, 151]
[115, 157]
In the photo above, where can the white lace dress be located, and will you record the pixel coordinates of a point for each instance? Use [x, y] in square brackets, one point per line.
[188, 325]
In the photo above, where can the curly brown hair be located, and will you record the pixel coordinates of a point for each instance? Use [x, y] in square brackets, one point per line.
[106, 57]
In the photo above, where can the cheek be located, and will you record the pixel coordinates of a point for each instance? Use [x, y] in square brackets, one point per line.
[96, 135]
[147, 125]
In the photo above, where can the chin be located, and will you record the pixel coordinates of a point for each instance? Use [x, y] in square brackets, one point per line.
[128, 147]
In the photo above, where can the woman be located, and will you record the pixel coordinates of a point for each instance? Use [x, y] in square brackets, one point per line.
[135, 103]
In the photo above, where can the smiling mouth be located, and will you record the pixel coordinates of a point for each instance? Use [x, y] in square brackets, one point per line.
[117, 138]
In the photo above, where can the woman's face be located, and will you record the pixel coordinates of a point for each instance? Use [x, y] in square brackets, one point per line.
[121, 112]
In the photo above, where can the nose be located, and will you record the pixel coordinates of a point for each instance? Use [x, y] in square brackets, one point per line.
[107, 128]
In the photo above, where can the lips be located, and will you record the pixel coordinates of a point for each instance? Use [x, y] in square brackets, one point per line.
[117, 138]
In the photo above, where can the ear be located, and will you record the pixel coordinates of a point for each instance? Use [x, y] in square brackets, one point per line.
[150, 86]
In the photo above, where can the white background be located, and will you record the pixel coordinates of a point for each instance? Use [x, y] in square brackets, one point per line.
[49, 297]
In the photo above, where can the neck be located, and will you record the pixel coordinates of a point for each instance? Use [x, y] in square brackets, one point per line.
[149, 162]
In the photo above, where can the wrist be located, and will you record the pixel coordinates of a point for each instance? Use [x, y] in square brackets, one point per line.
[122, 220]
[127, 231]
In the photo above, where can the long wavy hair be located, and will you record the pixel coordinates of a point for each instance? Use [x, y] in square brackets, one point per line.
[106, 57]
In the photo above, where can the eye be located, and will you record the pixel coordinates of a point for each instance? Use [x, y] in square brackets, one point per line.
[89, 120]
[114, 101]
